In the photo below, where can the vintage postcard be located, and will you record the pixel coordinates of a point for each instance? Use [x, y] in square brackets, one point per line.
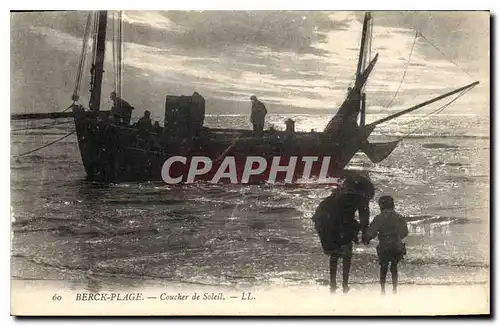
[250, 163]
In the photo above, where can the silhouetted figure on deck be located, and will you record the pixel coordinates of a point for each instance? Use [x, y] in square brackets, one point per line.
[144, 123]
[391, 229]
[336, 225]
[258, 115]
[197, 113]
[157, 128]
[121, 110]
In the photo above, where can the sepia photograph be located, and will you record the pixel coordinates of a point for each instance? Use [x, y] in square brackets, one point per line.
[250, 163]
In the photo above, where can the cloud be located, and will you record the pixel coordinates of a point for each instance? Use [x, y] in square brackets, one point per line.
[290, 59]
[277, 30]
[462, 35]
[153, 19]
[209, 31]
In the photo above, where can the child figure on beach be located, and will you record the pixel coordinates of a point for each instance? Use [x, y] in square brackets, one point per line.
[391, 229]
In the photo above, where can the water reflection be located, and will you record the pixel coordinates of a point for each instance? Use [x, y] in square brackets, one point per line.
[225, 235]
[430, 229]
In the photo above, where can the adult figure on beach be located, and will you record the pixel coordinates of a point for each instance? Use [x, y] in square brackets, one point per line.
[335, 222]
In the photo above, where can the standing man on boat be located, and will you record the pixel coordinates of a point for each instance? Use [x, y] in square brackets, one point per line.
[258, 115]
[121, 109]
[336, 225]
[144, 123]
[197, 114]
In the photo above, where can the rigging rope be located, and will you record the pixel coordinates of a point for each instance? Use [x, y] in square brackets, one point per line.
[46, 145]
[444, 106]
[79, 73]
[94, 36]
[114, 50]
[440, 51]
[81, 62]
[42, 127]
[117, 52]
[406, 69]
[94, 48]
[120, 52]
[438, 110]
[443, 54]
[419, 33]
[81, 66]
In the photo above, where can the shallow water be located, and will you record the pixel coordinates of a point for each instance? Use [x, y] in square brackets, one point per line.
[66, 228]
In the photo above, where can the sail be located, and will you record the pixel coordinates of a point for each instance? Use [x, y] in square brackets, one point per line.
[353, 105]
[377, 152]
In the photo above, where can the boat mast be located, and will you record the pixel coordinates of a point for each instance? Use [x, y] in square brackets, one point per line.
[363, 44]
[354, 104]
[362, 111]
[97, 68]
[361, 63]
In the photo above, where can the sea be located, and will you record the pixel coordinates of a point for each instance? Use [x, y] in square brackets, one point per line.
[68, 229]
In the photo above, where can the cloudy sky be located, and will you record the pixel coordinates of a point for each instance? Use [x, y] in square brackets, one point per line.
[294, 61]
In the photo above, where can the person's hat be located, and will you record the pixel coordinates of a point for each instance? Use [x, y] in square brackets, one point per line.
[358, 185]
[253, 97]
[349, 186]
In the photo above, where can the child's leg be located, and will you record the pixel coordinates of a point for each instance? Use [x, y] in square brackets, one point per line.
[394, 273]
[333, 272]
[383, 274]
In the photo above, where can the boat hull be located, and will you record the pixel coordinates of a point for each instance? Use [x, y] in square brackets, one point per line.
[115, 153]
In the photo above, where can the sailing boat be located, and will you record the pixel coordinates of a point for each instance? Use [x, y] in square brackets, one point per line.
[113, 152]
